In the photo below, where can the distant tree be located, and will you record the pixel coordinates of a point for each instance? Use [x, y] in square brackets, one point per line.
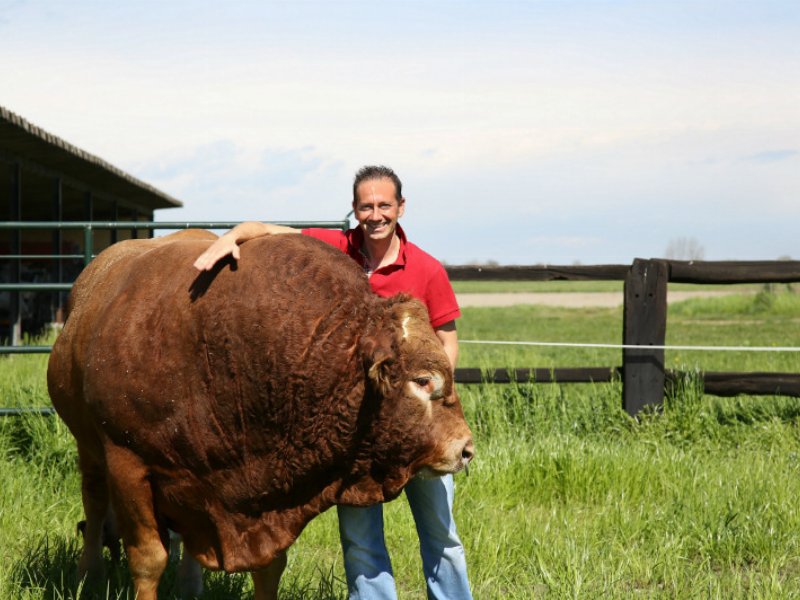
[685, 248]
[480, 263]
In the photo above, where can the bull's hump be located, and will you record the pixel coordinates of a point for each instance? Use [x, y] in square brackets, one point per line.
[302, 255]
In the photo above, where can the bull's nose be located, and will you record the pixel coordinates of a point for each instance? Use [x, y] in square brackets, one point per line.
[468, 452]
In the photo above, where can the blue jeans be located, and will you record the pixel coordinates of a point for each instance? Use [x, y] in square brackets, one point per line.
[366, 560]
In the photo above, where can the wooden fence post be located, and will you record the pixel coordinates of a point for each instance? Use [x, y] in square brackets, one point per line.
[645, 323]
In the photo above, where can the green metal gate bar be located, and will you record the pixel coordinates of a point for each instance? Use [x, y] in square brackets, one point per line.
[89, 227]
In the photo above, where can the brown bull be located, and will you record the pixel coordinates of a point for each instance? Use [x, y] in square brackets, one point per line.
[234, 406]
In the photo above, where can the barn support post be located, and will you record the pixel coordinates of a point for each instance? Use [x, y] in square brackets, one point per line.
[114, 217]
[88, 244]
[134, 231]
[644, 324]
[88, 199]
[15, 214]
[88, 234]
[57, 272]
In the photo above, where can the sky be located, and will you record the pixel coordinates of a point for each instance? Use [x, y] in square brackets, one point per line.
[525, 132]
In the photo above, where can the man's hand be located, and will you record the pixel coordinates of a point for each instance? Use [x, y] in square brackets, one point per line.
[222, 247]
[228, 244]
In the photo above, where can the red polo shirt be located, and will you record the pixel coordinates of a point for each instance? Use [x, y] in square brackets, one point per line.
[415, 272]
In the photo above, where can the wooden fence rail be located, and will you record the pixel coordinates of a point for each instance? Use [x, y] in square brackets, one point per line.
[709, 272]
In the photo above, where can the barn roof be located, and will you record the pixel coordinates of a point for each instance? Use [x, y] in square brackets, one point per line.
[35, 145]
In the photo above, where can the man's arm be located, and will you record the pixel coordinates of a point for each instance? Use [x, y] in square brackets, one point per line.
[229, 242]
[449, 337]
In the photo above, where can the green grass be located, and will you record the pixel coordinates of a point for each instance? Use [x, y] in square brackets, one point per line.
[568, 496]
[23, 377]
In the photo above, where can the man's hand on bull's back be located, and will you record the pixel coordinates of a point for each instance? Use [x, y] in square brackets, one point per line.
[228, 244]
[218, 250]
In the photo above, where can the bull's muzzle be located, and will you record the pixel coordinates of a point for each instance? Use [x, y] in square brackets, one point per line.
[459, 453]
[467, 454]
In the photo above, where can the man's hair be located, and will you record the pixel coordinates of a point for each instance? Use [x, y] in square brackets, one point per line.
[377, 172]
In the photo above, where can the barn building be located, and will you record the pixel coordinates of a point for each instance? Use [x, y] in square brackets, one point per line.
[46, 179]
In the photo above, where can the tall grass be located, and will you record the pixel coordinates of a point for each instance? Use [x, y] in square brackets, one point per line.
[568, 497]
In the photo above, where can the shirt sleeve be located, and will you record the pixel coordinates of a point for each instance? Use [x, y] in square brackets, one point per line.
[334, 237]
[440, 298]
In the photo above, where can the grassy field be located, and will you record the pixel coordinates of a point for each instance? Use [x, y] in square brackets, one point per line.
[568, 496]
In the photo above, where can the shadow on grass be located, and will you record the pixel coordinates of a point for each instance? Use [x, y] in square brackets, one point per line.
[48, 570]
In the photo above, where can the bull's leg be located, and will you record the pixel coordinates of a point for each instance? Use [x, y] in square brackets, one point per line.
[133, 503]
[265, 581]
[94, 493]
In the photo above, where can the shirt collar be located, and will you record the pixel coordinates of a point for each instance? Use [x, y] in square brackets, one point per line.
[355, 238]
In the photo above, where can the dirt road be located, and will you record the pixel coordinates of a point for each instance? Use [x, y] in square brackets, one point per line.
[572, 300]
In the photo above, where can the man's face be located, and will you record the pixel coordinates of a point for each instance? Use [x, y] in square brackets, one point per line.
[377, 209]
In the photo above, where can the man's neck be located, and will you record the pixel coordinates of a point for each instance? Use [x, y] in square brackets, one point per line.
[380, 253]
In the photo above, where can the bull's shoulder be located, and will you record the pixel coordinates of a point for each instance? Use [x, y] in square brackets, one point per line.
[301, 256]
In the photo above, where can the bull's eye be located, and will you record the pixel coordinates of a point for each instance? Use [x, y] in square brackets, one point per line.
[427, 387]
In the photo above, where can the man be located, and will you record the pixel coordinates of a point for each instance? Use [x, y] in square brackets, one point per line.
[393, 265]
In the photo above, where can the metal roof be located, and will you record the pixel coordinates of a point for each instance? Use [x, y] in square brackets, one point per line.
[35, 145]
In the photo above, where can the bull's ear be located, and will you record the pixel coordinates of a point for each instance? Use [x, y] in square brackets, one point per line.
[378, 359]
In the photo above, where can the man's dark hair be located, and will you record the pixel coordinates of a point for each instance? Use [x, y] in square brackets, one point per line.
[377, 172]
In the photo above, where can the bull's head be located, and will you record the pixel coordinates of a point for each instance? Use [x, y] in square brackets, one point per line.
[421, 415]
